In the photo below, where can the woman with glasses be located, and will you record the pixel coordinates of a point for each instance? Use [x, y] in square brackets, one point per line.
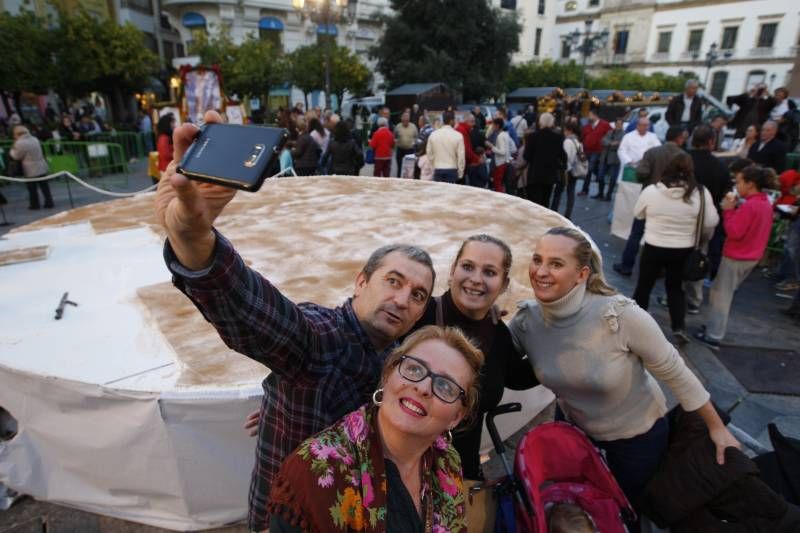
[390, 465]
[478, 276]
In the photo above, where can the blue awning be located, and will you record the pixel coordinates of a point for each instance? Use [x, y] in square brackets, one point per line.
[329, 29]
[193, 20]
[270, 23]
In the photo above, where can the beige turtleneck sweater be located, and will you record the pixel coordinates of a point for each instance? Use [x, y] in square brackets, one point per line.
[599, 354]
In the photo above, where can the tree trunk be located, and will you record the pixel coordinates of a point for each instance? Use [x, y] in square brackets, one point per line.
[6, 101]
[16, 97]
[118, 107]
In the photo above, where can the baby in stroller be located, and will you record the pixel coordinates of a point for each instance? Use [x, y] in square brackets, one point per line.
[567, 485]
[569, 518]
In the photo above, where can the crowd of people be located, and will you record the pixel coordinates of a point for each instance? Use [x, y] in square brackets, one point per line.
[78, 122]
[75, 123]
[686, 174]
[373, 410]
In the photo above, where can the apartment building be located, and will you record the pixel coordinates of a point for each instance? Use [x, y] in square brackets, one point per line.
[731, 45]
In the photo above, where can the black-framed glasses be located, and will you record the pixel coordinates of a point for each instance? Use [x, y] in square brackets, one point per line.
[442, 387]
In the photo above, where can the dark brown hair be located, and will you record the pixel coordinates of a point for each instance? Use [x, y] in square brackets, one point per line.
[761, 177]
[680, 173]
[507, 257]
[411, 252]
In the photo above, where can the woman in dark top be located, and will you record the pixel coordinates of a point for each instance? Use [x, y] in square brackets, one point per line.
[479, 275]
[544, 152]
[67, 129]
[343, 154]
[306, 153]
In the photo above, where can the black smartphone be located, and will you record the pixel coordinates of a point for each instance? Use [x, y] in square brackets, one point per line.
[240, 157]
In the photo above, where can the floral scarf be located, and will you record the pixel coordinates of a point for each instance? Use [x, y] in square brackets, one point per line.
[336, 481]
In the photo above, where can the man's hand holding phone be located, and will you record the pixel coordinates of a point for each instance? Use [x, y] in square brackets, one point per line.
[186, 208]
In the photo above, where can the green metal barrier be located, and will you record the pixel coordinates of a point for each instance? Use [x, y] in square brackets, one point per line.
[793, 160]
[777, 236]
[133, 143]
[83, 158]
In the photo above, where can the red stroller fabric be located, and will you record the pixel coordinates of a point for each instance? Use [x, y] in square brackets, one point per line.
[557, 463]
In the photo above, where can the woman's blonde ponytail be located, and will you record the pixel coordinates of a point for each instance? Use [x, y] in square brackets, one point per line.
[597, 281]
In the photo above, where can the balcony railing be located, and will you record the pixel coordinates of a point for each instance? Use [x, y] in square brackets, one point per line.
[659, 57]
[619, 59]
[762, 51]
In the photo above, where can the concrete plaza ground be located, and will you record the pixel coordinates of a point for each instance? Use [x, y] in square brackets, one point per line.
[755, 322]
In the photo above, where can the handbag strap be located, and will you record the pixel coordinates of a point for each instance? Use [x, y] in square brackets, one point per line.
[700, 217]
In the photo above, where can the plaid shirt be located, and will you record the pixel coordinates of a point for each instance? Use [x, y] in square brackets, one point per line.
[322, 363]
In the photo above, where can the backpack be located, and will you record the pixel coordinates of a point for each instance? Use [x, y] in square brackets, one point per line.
[581, 165]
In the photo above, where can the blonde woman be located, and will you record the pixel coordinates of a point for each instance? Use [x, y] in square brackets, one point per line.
[390, 465]
[601, 355]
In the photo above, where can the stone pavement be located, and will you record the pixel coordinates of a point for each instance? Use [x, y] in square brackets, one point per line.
[755, 321]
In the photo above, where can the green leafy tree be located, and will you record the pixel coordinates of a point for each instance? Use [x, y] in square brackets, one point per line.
[305, 69]
[78, 54]
[127, 63]
[466, 44]
[549, 73]
[101, 55]
[546, 73]
[27, 64]
[348, 73]
[217, 49]
[624, 79]
[254, 66]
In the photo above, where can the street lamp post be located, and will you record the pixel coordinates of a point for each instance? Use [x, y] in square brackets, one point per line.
[712, 57]
[325, 13]
[592, 41]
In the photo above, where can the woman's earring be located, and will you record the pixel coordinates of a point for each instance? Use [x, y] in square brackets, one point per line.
[377, 401]
[449, 436]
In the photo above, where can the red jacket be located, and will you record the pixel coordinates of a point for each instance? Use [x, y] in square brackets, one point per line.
[593, 137]
[748, 228]
[164, 147]
[789, 180]
[382, 142]
[471, 157]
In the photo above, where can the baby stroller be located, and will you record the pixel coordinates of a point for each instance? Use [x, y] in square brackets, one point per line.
[557, 463]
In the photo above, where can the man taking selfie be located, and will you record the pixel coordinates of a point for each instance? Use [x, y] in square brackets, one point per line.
[324, 362]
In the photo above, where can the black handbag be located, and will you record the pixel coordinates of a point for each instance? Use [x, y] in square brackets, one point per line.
[14, 168]
[696, 266]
